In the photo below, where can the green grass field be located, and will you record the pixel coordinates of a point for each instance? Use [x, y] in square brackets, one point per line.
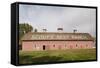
[30, 57]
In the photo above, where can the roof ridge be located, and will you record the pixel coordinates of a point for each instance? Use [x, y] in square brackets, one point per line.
[63, 36]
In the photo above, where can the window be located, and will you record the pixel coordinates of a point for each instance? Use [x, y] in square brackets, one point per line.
[76, 45]
[81, 46]
[35, 46]
[71, 46]
[53, 45]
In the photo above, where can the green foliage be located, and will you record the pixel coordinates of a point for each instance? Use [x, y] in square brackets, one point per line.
[24, 28]
[27, 57]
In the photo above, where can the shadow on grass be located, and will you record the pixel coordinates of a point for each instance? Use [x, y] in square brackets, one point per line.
[43, 59]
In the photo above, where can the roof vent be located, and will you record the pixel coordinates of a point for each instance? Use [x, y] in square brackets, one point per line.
[60, 29]
[75, 30]
[44, 30]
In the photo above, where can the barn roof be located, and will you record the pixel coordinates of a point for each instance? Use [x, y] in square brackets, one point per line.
[56, 36]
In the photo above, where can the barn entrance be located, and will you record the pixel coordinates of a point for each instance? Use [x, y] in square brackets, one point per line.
[43, 47]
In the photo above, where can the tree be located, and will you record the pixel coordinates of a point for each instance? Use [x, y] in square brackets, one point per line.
[24, 28]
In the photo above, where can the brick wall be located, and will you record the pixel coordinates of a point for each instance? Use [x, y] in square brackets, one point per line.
[55, 45]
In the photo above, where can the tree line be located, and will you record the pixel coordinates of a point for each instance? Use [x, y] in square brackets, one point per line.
[25, 28]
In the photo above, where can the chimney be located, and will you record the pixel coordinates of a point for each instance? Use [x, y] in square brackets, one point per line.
[59, 29]
[75, 30]
[44, 30]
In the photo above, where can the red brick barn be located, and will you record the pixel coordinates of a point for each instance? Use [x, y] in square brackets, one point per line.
[38, 41]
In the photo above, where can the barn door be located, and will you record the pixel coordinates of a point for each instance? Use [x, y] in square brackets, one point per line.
[43, 47]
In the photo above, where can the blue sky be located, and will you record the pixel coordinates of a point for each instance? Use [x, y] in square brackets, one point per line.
[51, 18]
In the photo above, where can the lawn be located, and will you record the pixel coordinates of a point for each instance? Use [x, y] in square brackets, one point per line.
[29, 57]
